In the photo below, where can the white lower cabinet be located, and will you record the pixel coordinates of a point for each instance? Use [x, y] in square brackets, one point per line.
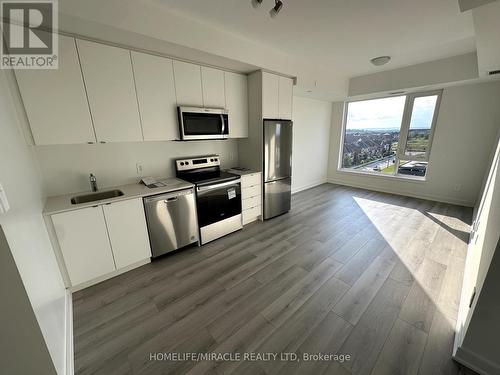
[251, 197]
[127, 230]
[98, 240]
[84, 243]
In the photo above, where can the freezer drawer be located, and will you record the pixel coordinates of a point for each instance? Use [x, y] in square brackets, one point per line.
[171, 220]
[277, 197]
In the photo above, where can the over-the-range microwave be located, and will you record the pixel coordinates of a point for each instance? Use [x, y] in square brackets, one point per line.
[196, 123]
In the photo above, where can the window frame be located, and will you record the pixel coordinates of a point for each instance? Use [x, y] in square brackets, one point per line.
[403, 134]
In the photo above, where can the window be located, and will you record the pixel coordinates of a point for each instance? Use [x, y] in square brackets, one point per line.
[391, 135]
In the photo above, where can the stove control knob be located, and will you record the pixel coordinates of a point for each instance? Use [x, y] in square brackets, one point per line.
[182, 163]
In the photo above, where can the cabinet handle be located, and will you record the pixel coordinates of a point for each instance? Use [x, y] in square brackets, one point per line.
[90, 143]
[102, 141]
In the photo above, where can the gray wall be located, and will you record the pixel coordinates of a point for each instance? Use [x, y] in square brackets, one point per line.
[21, 341]
[484, 328]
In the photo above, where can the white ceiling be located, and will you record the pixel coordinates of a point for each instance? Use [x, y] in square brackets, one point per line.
[343, 34]
[322, 43]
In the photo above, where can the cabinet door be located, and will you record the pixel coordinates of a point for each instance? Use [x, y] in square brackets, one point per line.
[212, 81]
[270, 96]
[285, 98]
[154, 79]
[127, 231]
[188, 84]
[55, 100]
[237, 104]
[107, 72]
[84, 243]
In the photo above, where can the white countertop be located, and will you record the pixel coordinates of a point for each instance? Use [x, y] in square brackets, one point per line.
[62, 203]
[241, 172]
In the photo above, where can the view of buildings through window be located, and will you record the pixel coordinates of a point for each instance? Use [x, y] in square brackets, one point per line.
[376, 129]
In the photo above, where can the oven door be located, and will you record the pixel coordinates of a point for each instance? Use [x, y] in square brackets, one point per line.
[203, 123]
[218, 201]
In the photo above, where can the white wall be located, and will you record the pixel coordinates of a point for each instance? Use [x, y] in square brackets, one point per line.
[65, 168]
[25, 229]
[311, 134]
[466, 129]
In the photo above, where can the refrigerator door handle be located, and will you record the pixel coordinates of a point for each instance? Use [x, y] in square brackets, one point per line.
[277, 179]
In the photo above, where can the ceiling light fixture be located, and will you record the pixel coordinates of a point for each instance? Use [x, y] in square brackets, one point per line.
[380, 60]
[278, 4]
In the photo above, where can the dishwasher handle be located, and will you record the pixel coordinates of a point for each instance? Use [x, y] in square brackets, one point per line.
[168, 197]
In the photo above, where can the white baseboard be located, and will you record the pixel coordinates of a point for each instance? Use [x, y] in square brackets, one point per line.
[70, 365]
[310, 185]
[475, 362]
[436, 198]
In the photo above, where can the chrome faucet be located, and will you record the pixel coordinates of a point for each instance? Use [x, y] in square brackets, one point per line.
[93, 182]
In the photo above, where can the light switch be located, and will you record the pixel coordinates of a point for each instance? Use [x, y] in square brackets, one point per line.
[4, 203]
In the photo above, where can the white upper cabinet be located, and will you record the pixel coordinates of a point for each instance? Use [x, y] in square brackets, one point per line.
[277, 97]
[285, 98]
[188, 84]
[236, 88]
[154, 79]
[108, 76]
[55, 100]
[84, 243]
[127, 230]
[213, 87]
[270, 96]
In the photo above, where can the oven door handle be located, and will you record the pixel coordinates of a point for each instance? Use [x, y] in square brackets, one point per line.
[217, 186]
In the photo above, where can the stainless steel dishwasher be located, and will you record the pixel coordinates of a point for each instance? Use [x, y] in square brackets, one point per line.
[172, 221]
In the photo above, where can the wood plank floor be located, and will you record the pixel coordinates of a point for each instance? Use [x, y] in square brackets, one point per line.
[351, 272]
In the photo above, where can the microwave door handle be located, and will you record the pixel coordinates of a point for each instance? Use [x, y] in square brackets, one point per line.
[223, 125]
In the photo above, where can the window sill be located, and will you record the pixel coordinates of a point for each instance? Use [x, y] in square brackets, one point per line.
[385, 176]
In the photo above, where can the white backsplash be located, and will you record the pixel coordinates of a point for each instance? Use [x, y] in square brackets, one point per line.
[65, 168]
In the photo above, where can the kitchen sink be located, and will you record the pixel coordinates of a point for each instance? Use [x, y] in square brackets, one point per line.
[96, 196]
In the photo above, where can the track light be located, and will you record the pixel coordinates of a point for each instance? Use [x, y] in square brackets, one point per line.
[278, 4]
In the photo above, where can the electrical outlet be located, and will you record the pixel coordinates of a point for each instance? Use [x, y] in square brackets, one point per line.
[457, 187]
[139, 167]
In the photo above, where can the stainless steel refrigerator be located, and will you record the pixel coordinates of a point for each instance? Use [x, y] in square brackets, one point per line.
[277, 167]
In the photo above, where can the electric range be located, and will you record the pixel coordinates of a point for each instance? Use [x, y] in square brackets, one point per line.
[218, 195]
